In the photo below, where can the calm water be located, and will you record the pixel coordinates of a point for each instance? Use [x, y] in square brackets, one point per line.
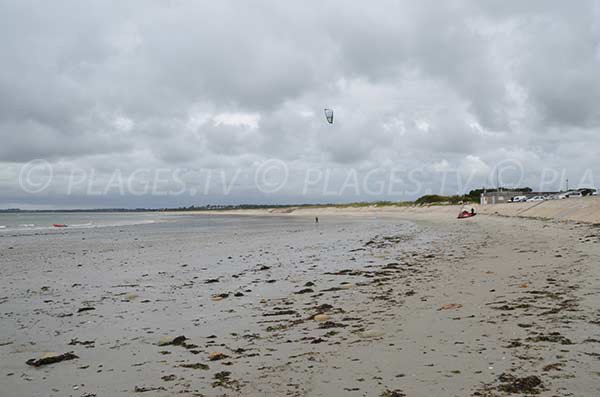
[40, 221]
[10, 222]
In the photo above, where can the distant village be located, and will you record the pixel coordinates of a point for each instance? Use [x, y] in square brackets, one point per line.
[498, 196]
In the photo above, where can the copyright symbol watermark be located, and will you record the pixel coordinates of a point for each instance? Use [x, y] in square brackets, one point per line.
[509, 166]
[271, 176]
[36, 176]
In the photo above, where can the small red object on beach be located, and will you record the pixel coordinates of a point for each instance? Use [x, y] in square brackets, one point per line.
[59, 225]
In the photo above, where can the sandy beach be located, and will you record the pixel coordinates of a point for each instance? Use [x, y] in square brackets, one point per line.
[366, 302]
[300, 199]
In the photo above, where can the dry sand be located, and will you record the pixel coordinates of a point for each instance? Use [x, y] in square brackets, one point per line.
[389, 303]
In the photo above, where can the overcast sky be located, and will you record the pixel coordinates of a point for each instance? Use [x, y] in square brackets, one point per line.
[429, 97]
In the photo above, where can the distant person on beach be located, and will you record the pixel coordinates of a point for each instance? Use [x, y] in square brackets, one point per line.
[472, 211]
[316, 219]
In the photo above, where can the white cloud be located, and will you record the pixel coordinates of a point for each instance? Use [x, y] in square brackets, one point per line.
[441, 166]
[249, 120]
[473, 165]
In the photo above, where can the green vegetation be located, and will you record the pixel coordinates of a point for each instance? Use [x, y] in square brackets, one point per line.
[437, 199]
[370, 204]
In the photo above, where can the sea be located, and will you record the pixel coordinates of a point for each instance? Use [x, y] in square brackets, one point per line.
[12, 223]
[34, 221]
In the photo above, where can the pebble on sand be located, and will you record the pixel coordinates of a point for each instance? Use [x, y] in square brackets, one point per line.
[131, 296]
[450, 306]
[219, 297]
[372, 333]
[171, 340]
[215, 356]
[321, 317]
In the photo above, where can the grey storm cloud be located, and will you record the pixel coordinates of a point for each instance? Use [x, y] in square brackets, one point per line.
[227, 85]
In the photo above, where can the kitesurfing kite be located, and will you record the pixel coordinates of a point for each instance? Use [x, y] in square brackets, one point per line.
[329, 115]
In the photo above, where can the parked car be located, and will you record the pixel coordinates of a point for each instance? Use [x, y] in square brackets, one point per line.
[518, 199]
[536, 198]
[574, 194]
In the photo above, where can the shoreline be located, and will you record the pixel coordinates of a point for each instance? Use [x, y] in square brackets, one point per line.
[585, 209]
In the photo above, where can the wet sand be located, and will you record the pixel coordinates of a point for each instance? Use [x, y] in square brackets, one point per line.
[366, 305]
